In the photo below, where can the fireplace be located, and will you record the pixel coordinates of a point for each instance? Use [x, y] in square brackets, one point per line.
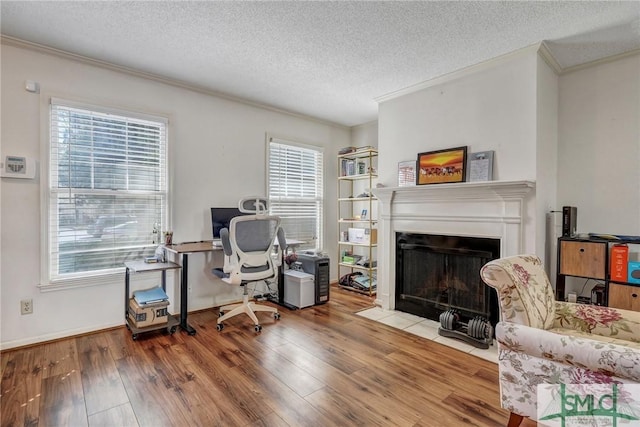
[436, 273]
[501, 211]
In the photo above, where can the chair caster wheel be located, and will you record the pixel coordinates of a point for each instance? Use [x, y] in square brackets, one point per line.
[219, 327]
[134, 336]
[276, 316]
[221, 313]
[172, 330]
[257, 328]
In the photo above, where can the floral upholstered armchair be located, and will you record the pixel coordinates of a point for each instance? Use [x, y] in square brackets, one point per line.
[544, 341]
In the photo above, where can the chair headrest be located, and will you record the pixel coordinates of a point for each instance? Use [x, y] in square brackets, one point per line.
[253, 205]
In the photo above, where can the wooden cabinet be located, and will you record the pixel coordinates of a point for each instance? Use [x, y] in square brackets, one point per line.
[583, 259]
[589, 259]
[626, 297]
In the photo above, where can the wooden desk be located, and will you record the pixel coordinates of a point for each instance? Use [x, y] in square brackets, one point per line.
[183, 250]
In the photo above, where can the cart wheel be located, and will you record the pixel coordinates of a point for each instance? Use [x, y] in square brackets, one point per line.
[257, 328]
[276, 316]
[219, 326]
[221, 313]
[171, 330]
[134, 336]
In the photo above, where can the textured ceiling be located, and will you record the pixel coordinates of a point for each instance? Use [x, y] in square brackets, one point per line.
[323, 59]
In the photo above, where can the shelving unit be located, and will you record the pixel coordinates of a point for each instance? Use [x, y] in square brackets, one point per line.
[590, 259]
[357, 176]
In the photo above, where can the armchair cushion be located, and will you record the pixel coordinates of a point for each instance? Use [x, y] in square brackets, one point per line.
[597, 321]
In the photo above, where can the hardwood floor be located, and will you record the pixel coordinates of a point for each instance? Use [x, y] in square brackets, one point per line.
[321, 366]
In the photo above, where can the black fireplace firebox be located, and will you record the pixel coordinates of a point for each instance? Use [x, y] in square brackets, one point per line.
[438, 273]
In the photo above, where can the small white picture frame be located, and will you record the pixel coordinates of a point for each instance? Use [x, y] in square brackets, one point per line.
[407, 173]
[480, 166]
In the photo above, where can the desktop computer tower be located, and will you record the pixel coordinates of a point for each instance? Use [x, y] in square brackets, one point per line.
[318, 266]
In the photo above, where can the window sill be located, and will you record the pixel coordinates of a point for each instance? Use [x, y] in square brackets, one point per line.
[84, 281]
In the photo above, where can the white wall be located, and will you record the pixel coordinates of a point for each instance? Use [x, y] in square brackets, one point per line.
[577, 136]
[546, 163]
[365, 134]
[599, 152]
[493, 108]
[217, 154]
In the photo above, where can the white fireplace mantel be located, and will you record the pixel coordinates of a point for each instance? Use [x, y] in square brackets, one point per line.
[493, 209]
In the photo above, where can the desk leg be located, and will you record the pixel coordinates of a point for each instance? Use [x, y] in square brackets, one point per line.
[126, 295]
[184, 292]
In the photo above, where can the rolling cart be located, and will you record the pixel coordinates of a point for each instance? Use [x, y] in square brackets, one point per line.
[143, 267]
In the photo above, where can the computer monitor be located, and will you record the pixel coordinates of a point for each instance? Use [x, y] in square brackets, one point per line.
[221, 217]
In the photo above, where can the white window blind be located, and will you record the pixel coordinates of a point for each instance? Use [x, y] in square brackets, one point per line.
[107, 188]
[295, 188]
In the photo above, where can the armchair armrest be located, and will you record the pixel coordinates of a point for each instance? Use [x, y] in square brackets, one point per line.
[596, 320]
[605, 358]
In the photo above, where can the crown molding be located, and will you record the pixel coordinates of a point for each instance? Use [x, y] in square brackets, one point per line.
[548, 57]
[601, 61]
[542, 49]
[463, 72]
[19, 43]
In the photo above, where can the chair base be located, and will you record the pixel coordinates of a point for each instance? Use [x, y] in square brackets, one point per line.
[248, 308]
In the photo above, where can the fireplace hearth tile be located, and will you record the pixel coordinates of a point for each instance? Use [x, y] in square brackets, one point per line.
[490, 354]
[457, 344]
[376, 313]
[426, 328]
[398, 321]
[409, 316]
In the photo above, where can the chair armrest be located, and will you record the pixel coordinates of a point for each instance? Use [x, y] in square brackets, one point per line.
[603, 321]
[606, 358]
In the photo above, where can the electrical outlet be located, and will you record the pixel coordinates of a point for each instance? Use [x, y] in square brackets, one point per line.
[26, 306]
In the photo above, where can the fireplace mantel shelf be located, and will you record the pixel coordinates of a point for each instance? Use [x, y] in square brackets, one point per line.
[463, 190]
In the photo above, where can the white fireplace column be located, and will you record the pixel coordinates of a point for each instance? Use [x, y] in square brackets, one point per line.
[493, 209]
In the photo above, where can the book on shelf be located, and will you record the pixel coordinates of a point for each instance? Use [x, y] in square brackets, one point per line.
[150, 296]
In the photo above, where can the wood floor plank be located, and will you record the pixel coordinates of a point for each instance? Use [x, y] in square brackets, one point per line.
[292, 408]
[103, 388]
[121, 416]
[120, 343]
[288, 373]
[270, 420]
[320, 366]
[147, 394]
[60, 358]
[195, 391]
[62, 402]
[21, 387]
[339, 408]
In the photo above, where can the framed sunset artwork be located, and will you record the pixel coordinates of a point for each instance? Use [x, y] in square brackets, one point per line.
[442, 166]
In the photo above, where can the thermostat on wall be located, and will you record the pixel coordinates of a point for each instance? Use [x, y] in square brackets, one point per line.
[18, 167]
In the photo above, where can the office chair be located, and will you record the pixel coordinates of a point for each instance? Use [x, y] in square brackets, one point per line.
[249, 256]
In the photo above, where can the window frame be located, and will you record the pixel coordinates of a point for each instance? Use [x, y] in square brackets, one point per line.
[270, 138]
[95, 277]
